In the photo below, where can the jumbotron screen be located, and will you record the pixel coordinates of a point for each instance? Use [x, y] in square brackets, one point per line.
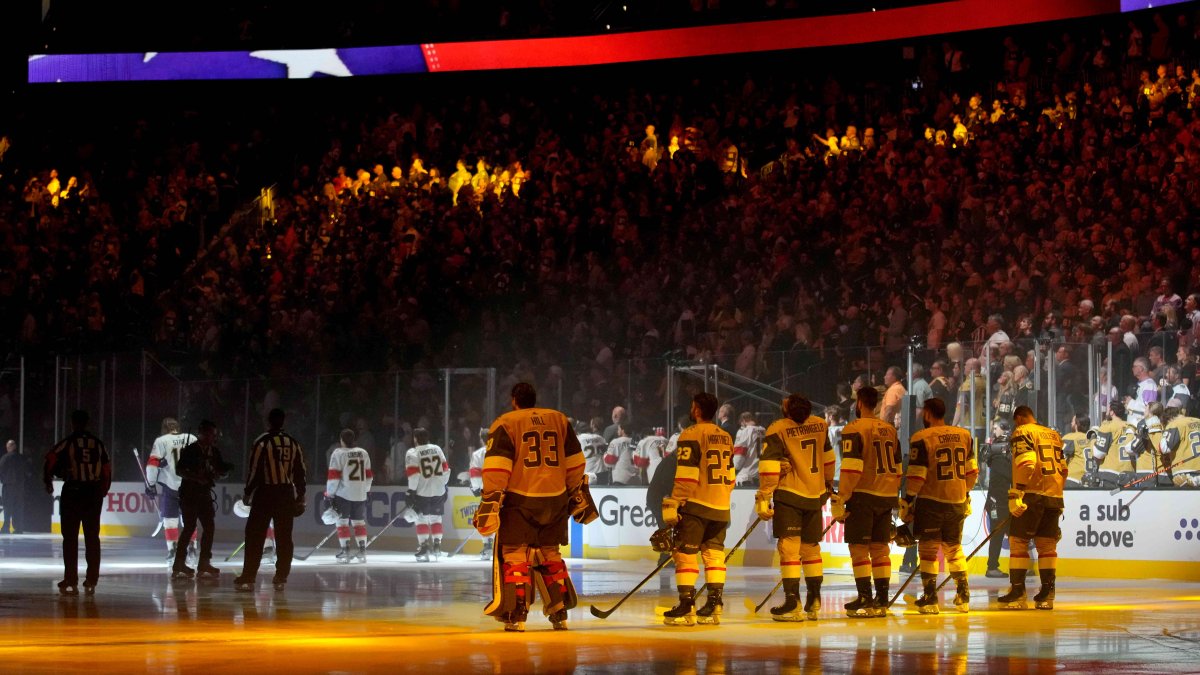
[820, 31]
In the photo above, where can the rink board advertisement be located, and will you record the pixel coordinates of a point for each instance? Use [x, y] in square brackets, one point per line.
[1156, 531]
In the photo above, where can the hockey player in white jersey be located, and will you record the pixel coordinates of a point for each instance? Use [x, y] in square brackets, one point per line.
[428, 472]
[619, 458]
[476, 473]
[162, 481]
[346, 486]
[594, 445]
[747, 448]
[650, 452]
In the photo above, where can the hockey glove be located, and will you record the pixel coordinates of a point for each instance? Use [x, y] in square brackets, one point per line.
[762, 505]
[487, 517]
[837, 508]
[476, 491]
[1016, 505]
[152, 491]
[670, 511]
[410, 497]
[907, 511]
[299, 507]
[583, 508]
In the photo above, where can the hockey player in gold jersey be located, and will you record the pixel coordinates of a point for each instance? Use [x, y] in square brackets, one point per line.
[1036, 504]
[792, 501]
[867, 489]
[1077, 448]
[942, 469]
[698, 510]
[1180, 445]
[532, 482]
[1113, 447]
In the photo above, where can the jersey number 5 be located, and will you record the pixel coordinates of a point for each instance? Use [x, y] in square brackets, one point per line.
[540, 448]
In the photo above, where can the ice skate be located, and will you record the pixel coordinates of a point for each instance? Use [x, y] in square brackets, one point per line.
[683, 614]
[863, 606]
[710, 613]
[881, 604]
[514, 622]
[269, 554]
[207, 571]
[928, 602]
[184, 573]
[171, 553]
[361, 554]
[812, 605]
[193, 555]
[243, 584]
[962, 594]
[1014, 598]
[995, 573]
[65, 588]
[343, 556]
[437, 549]
[89, 588]
[422, 554]
[559, 620]
[1045, 595]
[279, 584]
[486, 553]
[790, 609]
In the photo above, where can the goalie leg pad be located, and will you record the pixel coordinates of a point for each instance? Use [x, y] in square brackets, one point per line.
[553, 582]
[512, 584]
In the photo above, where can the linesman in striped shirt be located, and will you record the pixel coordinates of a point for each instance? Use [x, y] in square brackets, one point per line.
[81, 461]
[275, 485]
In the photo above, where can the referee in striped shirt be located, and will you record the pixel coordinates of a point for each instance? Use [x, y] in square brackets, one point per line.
[81, 461]
[275, 485]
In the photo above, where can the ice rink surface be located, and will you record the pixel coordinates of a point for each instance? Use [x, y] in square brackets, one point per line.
[393, 614]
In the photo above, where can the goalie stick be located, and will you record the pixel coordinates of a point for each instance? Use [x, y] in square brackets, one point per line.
[146, 483]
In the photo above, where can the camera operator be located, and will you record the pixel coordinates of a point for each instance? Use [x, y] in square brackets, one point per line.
[998, 458]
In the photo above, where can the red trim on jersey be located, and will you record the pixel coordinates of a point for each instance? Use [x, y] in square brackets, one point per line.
[334, 474]
[610, 459]
[813, 562]
[739, 450]
[412, 471]
[497, 469]
[370, 473]
[476, 472]
[153, 461]
[641, 462]
[714, 569]
[687, 571]
[845, 470]
[790, 562]
[687, 480]
[885, 563]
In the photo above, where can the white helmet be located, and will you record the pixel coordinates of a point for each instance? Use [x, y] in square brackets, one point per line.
[329, 516]
[240, 509]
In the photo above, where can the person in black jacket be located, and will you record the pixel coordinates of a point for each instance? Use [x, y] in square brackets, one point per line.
[199, 467]
[997, 456]
[15, 471]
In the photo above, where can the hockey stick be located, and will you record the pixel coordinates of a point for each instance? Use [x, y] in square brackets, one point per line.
[380, 533]
[153, 500]
[463, 543]
[999, 526]
[235, 551]
[308, 555]
[735, 548]
[750, 603]
[604, 614]
[1143, 479]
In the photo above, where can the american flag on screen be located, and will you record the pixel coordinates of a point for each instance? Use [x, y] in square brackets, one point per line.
[235, 65]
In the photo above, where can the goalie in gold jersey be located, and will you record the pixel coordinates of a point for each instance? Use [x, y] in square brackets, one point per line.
[942, 469]
[1036, 504]
[801, 442]
[698, 512]
[532, 481]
